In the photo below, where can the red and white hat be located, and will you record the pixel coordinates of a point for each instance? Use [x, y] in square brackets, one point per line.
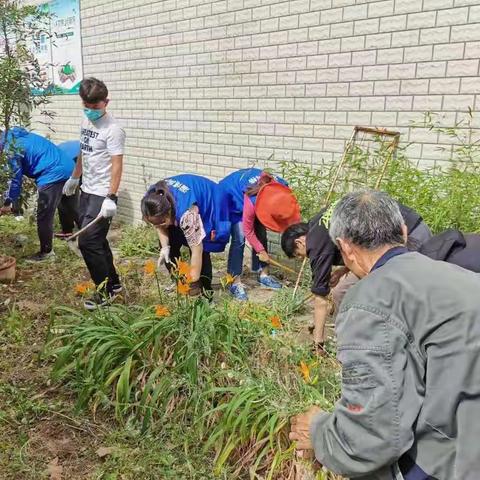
[276, 207]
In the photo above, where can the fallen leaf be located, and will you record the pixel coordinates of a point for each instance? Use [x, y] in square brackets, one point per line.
[55, 470]
[104, 451]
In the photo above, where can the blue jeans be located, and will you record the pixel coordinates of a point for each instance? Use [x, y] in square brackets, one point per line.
[237, 247]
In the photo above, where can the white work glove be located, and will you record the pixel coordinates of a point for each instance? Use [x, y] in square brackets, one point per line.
[109, 208]
[70, 186]
[164, 257]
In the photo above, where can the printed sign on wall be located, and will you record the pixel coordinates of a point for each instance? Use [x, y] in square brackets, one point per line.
[60, 53]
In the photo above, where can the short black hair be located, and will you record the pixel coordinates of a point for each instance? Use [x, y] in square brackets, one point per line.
[290, 235]
[93, 90]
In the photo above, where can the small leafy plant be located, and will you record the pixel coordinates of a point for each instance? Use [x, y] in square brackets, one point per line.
[138, 241]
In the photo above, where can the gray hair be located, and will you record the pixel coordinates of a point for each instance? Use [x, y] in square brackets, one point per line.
[369, 219]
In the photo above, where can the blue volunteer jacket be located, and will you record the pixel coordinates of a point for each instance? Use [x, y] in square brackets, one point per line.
[70, 148]
[188, 190]
[234, 187]
[35, 157]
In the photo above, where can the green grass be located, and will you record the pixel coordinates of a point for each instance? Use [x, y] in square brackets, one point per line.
[167, 455]
[158, 390]
[215, 370]
[13, 323]
[35, 430]
[138, 241]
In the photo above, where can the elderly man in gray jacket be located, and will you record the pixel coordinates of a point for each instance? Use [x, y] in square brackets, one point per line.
[409, 344]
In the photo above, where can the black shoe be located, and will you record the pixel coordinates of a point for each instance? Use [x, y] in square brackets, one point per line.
[97, 300]
[41, 257]
[117, 288]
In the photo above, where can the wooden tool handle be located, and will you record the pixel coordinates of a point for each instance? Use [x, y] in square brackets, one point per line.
[297, 283]
[274, 262]
[86, 227]
[279, 265]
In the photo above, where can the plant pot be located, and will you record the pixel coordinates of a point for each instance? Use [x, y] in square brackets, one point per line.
[7, 268]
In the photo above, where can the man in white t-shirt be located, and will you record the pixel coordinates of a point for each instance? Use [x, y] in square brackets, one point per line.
[102, 144]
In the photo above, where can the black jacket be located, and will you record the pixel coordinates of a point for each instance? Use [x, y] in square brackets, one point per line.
[453, 246]
[324, 254]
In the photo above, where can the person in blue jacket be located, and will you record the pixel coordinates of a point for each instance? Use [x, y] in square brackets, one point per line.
[189, 210]
[68, 206]
[38, 158]
[242, 189]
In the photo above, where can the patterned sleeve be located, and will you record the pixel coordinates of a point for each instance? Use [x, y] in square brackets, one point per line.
[192, 227]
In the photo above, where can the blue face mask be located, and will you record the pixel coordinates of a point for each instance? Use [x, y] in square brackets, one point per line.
[92, 114]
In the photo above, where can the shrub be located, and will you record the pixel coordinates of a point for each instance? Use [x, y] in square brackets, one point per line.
[214, 370]
[20, 74]
[446, 196]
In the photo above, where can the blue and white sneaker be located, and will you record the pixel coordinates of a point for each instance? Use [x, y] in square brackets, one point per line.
[237, 290]
[270, 282]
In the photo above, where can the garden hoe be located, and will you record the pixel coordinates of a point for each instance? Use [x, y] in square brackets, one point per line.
[280, 265]
[73, 246]
[84, 229]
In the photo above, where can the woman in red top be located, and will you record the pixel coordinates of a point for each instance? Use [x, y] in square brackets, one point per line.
[267, 204]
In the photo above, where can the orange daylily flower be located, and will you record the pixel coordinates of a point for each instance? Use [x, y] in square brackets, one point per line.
[161, 311]
[183, 268]
[276, 323]
[149, 267]
[183, 288]
[229, 279]
[83, 287]
[305, 369]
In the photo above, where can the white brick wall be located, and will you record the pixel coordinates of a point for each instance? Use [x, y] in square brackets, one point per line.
[210, 86]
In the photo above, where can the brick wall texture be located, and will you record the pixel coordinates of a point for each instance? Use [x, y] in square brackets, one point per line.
[211, 86]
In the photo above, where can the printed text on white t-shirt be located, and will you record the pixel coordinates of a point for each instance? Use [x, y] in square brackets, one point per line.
[99, 142]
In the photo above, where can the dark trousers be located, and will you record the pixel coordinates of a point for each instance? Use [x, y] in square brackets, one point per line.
[177, 239]
[94, 244]
[48, 199]
[68, 213]
[261, 233]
